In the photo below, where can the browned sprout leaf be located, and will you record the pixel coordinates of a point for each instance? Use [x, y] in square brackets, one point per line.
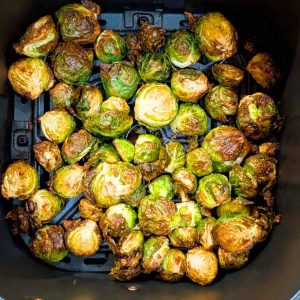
[191, 19]
[88, 210]
[19, 220]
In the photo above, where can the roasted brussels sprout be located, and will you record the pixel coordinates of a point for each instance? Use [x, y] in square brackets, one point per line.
[48, 155]
[57, 125]
[258, 116]
[186, 179]
[183, 237]
[115, 104]
[77, 145]
[263, 69]
[162, 187]
[131, 245]
[118, 220]
[182, 49]
[227, 75]
[176, 153]
[220, 102]
[67, 181]
[155, 105]
[39, 39]
[155, 250]
[268, 148]
[20, 180]
[154, 67]
[62, 95]
[108, 184]
[119, 79]
[156, 215]
[124, 271]
[48, 244]
[110, 47]
[189, 85]
[78, 23]
[82, 238]
[89, 100]
[30, 77]
[188, 214]
[213, 190]
[173, 266]
[227, 146]
[237, 205]
[135, 199]
[125, 149]
[204, 232]
[199, 162]
[89, 210]
[72, 64]
[229, 260]
[201, 265]
[216, 42]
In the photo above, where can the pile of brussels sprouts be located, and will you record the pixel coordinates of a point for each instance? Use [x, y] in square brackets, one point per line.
[163, 207]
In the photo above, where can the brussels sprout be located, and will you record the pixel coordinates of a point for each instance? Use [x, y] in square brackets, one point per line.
[135, 199]
[186, 179]
[20, 180]
[199, 162]
[67, 181]
[78, 23]
[188, 214]
[216, 42]
[39, 39]
[30, 77]
[237, 232]
[115, 104]
[48, 244]
[72, 64]
[183, 237]
[82, 238]
[119, 79]
[258, 117]
[227, 75]
[227, 146]
[268, 148]
[77, 145]
[204, 231]
[88, 210]
[162, 187]
[229, 260]
[89, 100]
[125, 149]
[156, 215]
[57, 125]
[237, 205]
[43, 206]
[190, 120]
[155, 250]
[176, 152]
[213, 190]
[62, 95]
[131, 244]
[182, 49]
[220, 102]
[110, 47]
[108, 184]
[155, 105]
[201, 265]
[48, 155]
[189, 85]
[118, 220]
[173, 266]
[124, 273]
[263, 69]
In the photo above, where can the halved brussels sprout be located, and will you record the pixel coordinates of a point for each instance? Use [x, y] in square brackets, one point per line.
[67, 181]
[155, 105]
[89, 210]
[162, 187]
[204, 232]
[173, 266]
[20, 180]
[154, 67]
[220, 102]
[258, 116]
[183, 237]
[119, 79]
[110, 46]
[187, 214]
[190, 120]
[48, 244]
[131, 244]
[237, 205]
[189, 85]
[263, 69]
[229, 260]
[199, 162]
[39, 39]
[77, 145]
[227, 75]
[201, 265]
[57, 125]
[115, 104]
[48, 155]
[30, 77]
[82, 238]
[182, 49]
[72, 64]
[176, 153]
[78, 23]
[186, 179]
[135, 199]
[213, 190]
[216, 42]
[125, 149]
[62, 95]
[227, 146]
